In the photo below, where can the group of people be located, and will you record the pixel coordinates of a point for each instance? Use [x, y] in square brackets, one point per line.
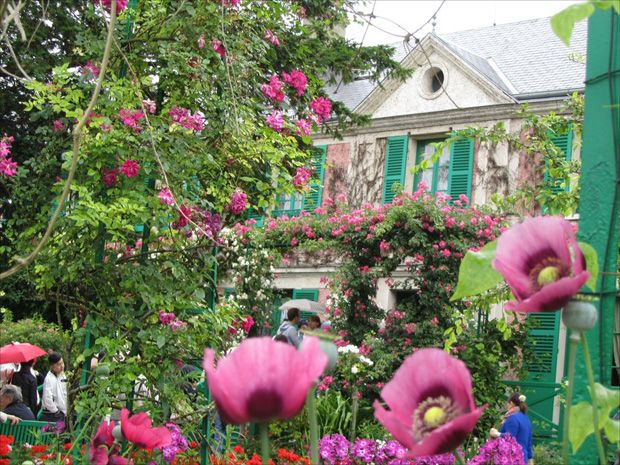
[288, 331]
[20, 398]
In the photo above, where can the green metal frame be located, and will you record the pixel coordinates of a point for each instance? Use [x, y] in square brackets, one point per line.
[27, 431]
[600, 196]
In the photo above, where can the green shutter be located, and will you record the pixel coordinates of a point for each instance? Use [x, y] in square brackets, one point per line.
[395, 163]
[565, 144]
[310, 294]
[314, 198]
[260, 219]
[461, 168]
[544, 343]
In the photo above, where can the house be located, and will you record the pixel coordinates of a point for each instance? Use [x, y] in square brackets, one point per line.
[477, 77]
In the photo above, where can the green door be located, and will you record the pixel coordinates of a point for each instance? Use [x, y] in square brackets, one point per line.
[310, 294]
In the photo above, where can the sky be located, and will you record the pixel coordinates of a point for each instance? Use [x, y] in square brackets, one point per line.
[454, 15]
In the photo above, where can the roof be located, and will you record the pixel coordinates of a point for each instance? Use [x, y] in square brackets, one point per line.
[524, 59]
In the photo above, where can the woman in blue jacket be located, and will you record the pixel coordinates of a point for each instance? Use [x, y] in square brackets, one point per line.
[518, 425]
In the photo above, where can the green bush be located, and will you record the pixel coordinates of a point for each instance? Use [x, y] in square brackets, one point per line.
[547, 454]
[35, 331]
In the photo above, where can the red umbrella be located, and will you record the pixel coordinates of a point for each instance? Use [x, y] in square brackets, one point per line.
[17, 352]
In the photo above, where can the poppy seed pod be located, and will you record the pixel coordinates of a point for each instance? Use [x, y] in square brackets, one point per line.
[579, 315]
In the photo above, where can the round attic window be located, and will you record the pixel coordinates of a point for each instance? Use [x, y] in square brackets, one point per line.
[432, 81]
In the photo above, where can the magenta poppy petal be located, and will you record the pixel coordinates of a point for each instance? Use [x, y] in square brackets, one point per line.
[226, 399]
[551, 297]
[519, 282]
[400, 431]
[303, 376]
[138, 430]
[447, 437]
[443, 376]
[263, 379]
[98, 455]
[579, 261]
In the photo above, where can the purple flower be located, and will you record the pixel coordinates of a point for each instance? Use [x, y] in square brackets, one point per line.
[501, 451]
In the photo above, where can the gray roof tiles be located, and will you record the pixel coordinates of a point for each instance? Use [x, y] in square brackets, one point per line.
[527, 53]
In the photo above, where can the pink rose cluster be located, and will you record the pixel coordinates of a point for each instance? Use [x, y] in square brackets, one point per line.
[274, 88]
[218, 47]
[297, 80]
[275, 120]
[271, 37]
[130, 168]
[184, 118]
[238, 202]
[131, 118]
[170, 320]
[230, 3]
[206, 224]
[7, 166]
[302, 176]
[322, 108]
[89, 67]
[107, 4]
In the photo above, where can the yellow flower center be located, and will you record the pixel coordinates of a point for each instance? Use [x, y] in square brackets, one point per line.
[548, 275]
[435, 416]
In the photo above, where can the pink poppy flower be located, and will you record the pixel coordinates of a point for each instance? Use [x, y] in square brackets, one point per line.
[430, 414]
[542, 263]
[130, 168]
[263, 379]
[101, 444]
[139, 430]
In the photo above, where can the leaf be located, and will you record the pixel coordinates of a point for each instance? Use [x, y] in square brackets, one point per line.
[612, 430]
[606, 399]
[199, 294]
[589, 253]
[476, 275]
[580, 424]
[563, 22]
[161, 340]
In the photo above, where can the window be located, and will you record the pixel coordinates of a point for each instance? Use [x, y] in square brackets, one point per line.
[452, 173]
[436, 175]
[395, 166]
[289, 204]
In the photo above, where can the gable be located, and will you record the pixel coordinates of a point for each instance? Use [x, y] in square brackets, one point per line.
[463, 87]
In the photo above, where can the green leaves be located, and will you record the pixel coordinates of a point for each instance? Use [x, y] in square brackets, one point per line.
[591, 257]
[563, 22]
[581, 414]
[476, 275]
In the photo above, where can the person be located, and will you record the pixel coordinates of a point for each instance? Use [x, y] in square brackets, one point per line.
[314, 322]
[280, 338]
[11, 403]
[54, 403]
[288, 328]
[4, 417]
[518, 425]
[27, 381]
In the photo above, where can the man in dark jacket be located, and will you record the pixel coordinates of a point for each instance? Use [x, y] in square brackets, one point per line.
[11, 403]
[27, 382]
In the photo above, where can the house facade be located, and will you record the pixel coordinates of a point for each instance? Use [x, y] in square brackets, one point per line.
[474, 78]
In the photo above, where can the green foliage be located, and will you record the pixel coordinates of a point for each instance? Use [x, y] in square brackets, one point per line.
[563, 22]
[591, 257]
[476, 274]
[547, 454]
[581, 415]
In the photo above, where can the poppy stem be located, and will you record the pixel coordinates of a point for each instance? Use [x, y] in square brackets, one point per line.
[597, 430]
[314, 428]
[574, 341]
[458, 459]
[264, 442]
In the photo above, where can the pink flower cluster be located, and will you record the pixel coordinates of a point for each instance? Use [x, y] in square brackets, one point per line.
[7, 166]
[170, 320]
[165, 196]
[302, 176]
[107, 4]
[275, 120]
[59, 126]
[129, 168]
[304, 127]
[149, 105]
[297, 80]
[271, 37]
[218, 47]
[89, 67]
[183, 117]
[273, 89]
[131, 118]
[230, 3]
[322, 108]
[238, 202]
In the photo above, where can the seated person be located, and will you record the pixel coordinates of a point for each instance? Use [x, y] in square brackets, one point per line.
[11, 403]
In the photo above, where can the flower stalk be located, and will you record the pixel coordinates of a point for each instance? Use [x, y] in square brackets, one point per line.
[574, 341]
[265, 450]
[314, 428]
[589, 372]
[458, 459]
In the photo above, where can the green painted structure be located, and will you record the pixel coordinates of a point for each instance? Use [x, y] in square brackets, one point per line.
[600, 197]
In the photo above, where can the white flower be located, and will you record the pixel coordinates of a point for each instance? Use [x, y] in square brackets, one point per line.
[355, 370]
[366, 360]
[349, 349]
